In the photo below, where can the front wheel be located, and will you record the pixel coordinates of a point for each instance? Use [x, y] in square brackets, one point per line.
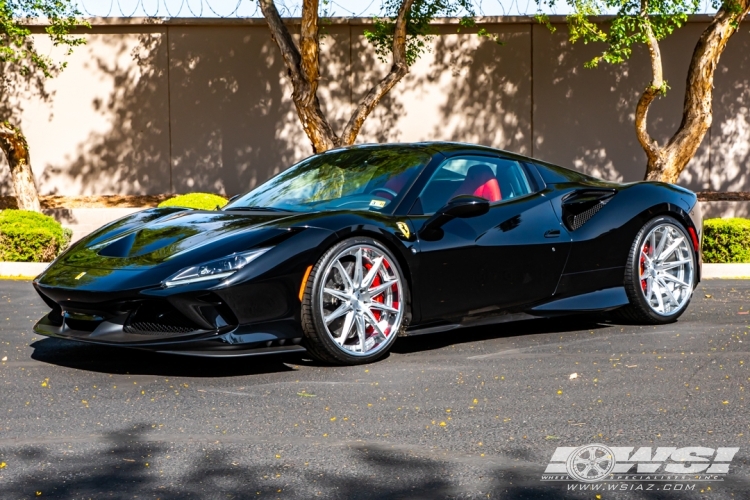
[660, 273]
[354, 303]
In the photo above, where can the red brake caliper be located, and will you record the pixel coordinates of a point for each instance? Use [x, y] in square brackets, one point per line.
[375, 282]
[642, 267]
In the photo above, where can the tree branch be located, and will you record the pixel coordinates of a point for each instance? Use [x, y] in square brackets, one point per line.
[697, 110]
[309, 46]
[283, 39]
[303, 68]
[399, 69]
[656, 87]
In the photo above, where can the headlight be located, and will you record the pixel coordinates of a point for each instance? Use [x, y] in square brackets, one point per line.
[216, 269]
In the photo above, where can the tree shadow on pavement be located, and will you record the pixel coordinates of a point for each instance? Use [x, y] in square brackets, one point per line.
[139, 462]
[135, 462]
[116, 360]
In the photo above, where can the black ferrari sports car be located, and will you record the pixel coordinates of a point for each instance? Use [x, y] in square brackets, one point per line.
[349, 249]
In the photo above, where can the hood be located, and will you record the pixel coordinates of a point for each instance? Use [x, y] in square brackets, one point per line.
[154, 236]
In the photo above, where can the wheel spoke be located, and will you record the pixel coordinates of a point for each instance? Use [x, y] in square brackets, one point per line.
[383, 307]
[347, 328]
[658, 293]
[645, 255]
[336, 293]
[375, 291]
[340, 311]
[358, 269]
[669, 294]
[652, 242]
[672, 264]
[344, 275]
[361, 331]
[370, 318]
[372, 272]
[666, 253]
[675, 280]
[662, 242]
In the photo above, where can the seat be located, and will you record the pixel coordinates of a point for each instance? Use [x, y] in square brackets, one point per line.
[480, 181]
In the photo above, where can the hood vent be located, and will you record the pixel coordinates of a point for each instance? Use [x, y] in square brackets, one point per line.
[119, 248]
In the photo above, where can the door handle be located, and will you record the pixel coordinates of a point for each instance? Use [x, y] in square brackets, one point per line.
[552, 233]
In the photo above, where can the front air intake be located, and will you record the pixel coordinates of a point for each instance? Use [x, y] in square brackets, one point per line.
[158, 319]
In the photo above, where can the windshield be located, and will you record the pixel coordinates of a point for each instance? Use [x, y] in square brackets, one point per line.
[351, 179]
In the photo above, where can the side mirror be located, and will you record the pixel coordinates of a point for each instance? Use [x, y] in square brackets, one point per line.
[461, 207]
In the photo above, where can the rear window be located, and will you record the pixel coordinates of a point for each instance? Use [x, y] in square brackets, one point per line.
[552, 174]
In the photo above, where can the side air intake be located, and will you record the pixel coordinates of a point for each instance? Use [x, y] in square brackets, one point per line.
[580, 206]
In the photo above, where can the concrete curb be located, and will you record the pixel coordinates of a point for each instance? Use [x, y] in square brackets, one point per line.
[26, 269]
[726, 271]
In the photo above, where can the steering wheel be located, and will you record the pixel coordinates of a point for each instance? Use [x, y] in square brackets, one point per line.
[391, 192]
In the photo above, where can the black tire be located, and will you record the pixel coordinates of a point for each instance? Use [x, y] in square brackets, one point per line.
[318, 341]
[639, 311]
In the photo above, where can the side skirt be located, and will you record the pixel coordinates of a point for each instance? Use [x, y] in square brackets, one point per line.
[600, 300]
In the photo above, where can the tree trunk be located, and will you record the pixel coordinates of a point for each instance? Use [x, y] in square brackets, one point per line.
[303, 68]
[667, 163]
[16, 150]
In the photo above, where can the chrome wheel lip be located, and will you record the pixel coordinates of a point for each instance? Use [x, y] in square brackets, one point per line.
[356, 300]
[666, 269]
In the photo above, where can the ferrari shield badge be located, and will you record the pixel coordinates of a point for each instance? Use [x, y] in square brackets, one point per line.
[80, 275]
[404, 229]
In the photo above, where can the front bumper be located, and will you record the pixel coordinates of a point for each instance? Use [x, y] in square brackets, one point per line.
[262, 338]
[250, 318]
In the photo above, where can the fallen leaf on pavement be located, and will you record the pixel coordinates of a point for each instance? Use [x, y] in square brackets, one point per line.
[573, 376]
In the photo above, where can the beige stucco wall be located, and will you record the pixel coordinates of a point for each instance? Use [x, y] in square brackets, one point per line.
[155, 107]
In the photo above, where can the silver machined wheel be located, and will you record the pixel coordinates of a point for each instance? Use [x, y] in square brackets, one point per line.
[666, 270]
[361, 300]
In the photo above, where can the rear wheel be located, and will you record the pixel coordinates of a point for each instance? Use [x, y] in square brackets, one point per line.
[354, 303]
[660, 273]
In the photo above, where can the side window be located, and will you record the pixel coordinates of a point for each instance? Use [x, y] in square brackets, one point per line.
[494, 179]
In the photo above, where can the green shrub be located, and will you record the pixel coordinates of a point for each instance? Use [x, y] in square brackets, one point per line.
[726, 240]
[30, 237]
[201, 201]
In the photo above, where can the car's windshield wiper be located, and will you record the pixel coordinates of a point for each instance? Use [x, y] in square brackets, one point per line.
[258, 209]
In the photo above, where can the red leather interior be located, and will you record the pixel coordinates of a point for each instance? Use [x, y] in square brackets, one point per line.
[480, 181]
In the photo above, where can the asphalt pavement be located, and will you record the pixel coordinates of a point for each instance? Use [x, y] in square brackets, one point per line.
[475, 413]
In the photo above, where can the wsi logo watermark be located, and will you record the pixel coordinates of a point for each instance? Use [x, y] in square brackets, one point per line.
[596, 462]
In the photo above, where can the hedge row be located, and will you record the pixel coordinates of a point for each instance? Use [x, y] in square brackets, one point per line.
[726, 240]
[201, 201]
[31, 237]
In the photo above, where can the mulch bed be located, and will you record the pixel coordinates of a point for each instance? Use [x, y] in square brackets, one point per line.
[104, 201]
[718, 196]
